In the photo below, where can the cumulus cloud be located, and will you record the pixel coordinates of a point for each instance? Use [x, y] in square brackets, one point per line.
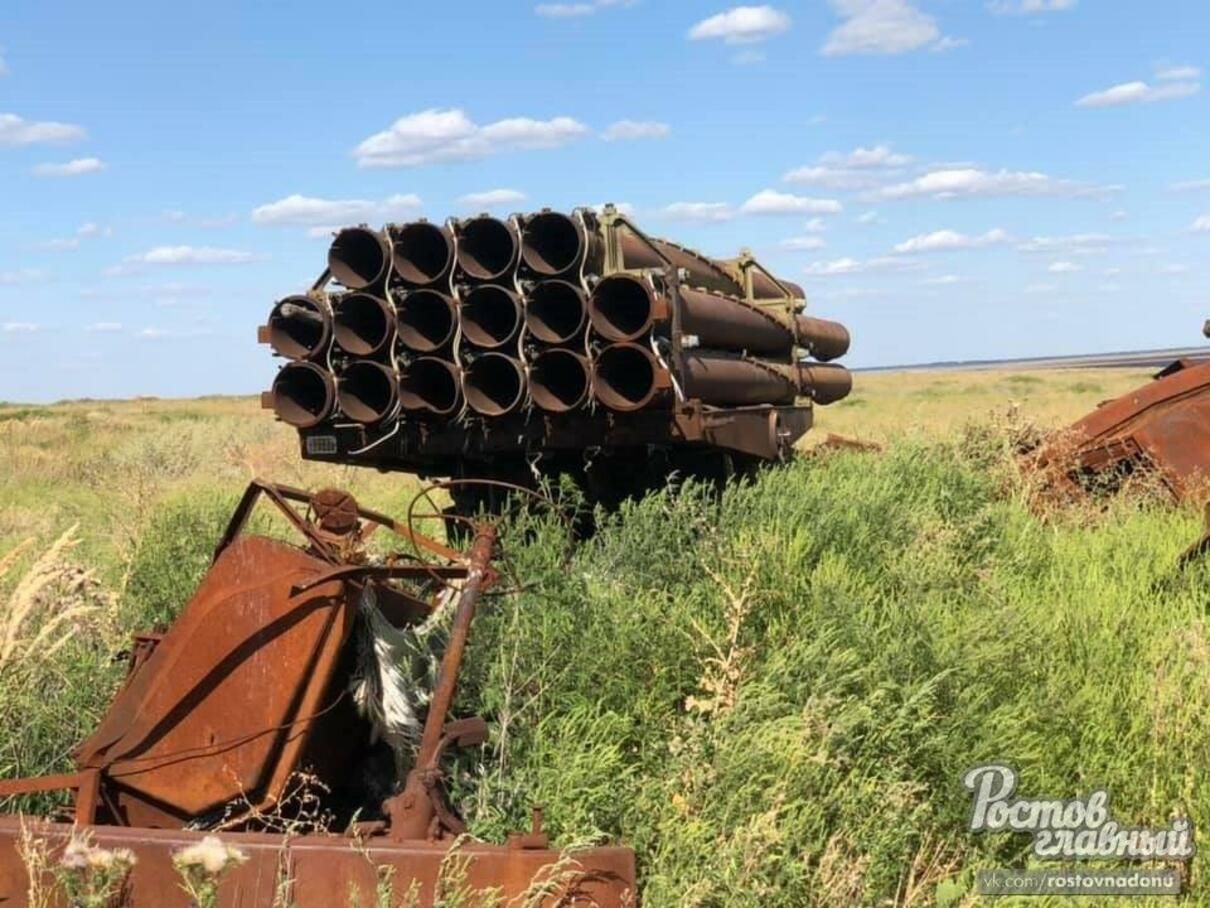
[942, 280]
[15, 130]
[20, 276]
[952, 240]
[183, 256]
[169, 334]
[970, 182]
[104, 327]
[1172, 82]
[18, 327]
[450, 135]
[699, 211]
[491, 198]
[304, 210]
[803, 242]
[1078, 243]
[882, 27]
[861, 168]
[1190, 186]
[86, 231]
[576, 10]
[742, 25]
[78, 167]
[1028, 7]
[628, 130]
[771, 202]
[1064, 268]
[847, 266]
[1201, 225]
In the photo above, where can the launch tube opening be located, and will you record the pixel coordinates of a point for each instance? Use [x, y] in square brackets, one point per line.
[551, 243]
[299, 328]
[303, 395]
[367, 392]
[555, 312]
[621, 308]
[491, 316]
[624, 377]
[558, 381]
[358, 257]
[423, 253]
[486, 248]
[363, 323]
[494, 385]
[425, 321]
[430, 384]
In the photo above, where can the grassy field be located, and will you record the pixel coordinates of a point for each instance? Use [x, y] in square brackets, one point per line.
[773, 697]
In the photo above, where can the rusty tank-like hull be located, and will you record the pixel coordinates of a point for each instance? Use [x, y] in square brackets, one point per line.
[548, 344]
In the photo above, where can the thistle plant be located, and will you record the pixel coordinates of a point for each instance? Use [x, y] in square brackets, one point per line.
[202, 867]
[91, 876]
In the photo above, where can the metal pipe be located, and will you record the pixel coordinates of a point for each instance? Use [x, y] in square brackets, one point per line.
[622, 307]
[487, 248]
[304, 395]
[727, 380]
[821, 338]
[625, 377]
[556, 312]
[359, 257]
[299, 327]
[494, 384]
[824, 383]
[557, 245]
[491, 316]
[429, 384]
[425, 320]
[726, 323]
[363, 324]
[701, 271]
[423, 253]
[367, 391]
[559, 380]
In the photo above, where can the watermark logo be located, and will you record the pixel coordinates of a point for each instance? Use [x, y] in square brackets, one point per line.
[1076, 828]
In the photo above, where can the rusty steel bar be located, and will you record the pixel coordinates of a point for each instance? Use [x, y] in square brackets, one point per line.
[303, 394]
[367, 391]
[425, 320]
[359, 258]
[626, 377]
[415, 810]
[824, 383]
[299, 327]
[423, 254]
[623, 307]
[556, 312]
[823, 339]
[490, 316]
[494, 384]
[557, 245]
[559, 380]
[430, 384]
[487, 248]
[363, 324]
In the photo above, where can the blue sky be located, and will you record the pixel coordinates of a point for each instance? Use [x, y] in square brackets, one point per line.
[950, 178]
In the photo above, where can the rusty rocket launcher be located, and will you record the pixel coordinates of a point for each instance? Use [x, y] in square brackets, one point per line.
[547, 344]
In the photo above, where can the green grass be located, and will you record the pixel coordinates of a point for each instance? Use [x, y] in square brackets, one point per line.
[772, 696]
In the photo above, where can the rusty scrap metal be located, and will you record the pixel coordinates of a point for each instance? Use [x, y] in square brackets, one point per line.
[1162, 428]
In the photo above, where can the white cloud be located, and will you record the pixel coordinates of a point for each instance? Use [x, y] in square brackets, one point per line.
[104, 327]
[815, 225]
[18, 327]
[943, 280]
[1201, 225]
[951, 240]
[846, 266]
[183, 256]
[61, 245]
[15, 130]
[20, 276]
[628, 130]
[450, 135]
[869, 217]
[749, 56]
[1178, 73]
[1064, 268]
[742, 25]
[947, 43]
[862, 168]
[1174, 269]
[769, 201]
[491, 198]
[91, 229]
[78, 167]
[304, 210]
[969, 182]
[168, 334]
[574, 10]
[699, 211]
[1077, 243]
[1172, 83]
[1041, 288]
[801, 243]
[1190, 186]
[86, 231]
[882, 27]
[1027, 7]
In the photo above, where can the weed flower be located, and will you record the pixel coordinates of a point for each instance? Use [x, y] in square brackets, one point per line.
[210, 854]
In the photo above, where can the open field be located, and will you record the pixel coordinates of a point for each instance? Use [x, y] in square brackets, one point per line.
[773, 696]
